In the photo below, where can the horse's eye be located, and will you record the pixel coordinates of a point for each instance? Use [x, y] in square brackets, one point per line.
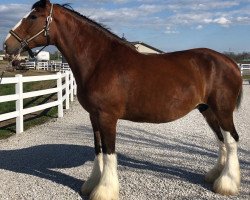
[32, 17]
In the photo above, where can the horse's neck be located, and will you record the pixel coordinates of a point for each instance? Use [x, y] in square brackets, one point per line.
[81, 44]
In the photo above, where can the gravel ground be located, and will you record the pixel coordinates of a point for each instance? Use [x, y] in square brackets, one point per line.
[166, 161]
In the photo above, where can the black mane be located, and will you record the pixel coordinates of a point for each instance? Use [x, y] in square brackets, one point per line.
[98, 25]
[67, 6]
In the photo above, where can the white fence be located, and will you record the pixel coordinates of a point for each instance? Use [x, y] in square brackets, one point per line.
[42, 65]
[53, 66]
[65, 82]
[245, 69]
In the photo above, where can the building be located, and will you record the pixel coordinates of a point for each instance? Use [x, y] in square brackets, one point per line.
[145, 48]
[43, 56]
[2, 56]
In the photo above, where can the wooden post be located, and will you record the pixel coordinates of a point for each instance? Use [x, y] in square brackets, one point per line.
[67, 89]
[19, 104]
[71, 86]
[75, 86]
[59, 95]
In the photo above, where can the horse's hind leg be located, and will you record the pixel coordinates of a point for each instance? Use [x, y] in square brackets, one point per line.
[96, 173]
[228, 182]
[215, 172]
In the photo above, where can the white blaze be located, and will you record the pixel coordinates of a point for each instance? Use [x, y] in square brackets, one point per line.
[18, 24]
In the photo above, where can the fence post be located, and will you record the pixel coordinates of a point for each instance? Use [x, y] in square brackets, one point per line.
[19, 104]
[67, 89]
[75, 87]
[59, 95]
[71, 86]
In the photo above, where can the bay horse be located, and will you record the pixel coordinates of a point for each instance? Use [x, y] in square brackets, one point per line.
[117, 82]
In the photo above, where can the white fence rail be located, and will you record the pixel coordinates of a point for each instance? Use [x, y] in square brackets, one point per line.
[245, 69]
[42, 65]
[30, 65]
[65, 84]
[52, 65]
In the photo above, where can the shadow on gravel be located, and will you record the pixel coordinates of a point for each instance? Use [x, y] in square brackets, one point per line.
[174, 144]
[41, 160]
[169, 171]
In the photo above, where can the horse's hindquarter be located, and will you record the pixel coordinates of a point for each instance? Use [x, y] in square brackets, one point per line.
[163, 88]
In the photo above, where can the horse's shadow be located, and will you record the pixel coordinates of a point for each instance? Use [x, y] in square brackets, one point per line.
[40, 161]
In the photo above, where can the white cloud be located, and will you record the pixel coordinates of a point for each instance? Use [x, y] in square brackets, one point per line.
[222, 21]
[244, 20]
[199, 27]
[171, 30]
[152, 14]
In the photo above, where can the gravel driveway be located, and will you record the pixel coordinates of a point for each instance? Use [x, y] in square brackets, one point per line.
[166, 161]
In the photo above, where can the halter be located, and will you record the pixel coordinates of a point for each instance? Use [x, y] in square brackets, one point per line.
[25, 42]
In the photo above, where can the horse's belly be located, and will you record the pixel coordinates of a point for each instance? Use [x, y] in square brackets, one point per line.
[157, 112]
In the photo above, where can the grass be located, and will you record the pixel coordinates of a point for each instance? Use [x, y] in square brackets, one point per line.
[246, 77]
[7, 128]
[31, 120]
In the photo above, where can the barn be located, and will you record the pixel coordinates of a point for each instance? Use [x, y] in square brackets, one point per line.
[145, 48]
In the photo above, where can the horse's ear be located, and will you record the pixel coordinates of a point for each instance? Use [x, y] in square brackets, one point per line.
[41, 4]
[45, 1]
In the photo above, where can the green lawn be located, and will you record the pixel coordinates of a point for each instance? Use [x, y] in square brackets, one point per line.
[7, 128]
[246, 77]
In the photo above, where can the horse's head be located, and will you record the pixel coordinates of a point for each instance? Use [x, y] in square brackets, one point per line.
[33, 30]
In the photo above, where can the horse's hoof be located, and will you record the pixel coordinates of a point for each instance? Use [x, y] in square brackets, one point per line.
[225, 185]
[104, 193]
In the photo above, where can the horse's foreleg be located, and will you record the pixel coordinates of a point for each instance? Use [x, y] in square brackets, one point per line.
[108, 187]
[96, 173]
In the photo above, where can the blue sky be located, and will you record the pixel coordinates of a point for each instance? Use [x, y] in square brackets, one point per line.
[169, 25]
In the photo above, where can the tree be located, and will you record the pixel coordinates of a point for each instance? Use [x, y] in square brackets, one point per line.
[239, 57]
[56, 55]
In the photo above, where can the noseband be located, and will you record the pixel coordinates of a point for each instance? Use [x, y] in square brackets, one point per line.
[25, 42]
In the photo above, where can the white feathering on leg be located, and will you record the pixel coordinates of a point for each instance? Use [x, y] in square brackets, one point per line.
[215, 172]
[95, 176]
[229, 181]
[108, 187]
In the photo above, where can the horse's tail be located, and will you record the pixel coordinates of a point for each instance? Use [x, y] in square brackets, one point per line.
[239, 98]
